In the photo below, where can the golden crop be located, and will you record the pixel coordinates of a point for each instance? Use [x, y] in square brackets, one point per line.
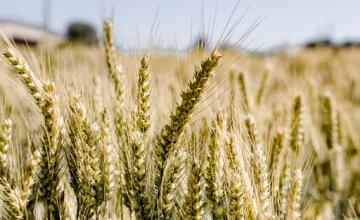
[249, 136]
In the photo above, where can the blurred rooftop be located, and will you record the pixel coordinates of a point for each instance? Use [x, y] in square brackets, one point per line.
[22, 33]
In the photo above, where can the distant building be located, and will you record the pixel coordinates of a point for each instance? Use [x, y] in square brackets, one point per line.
[21, 33]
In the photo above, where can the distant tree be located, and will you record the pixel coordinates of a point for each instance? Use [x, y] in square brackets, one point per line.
[201, 43]
[82, 33]
[325, 42]
[350, 43]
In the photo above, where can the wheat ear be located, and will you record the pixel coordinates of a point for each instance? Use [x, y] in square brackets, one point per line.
[170, 187]
[114, 68]
[260, 92]
[240, 204]
[231, 118]
[276, 149]
[284, 186]
[212, 178]
[244, 93]
[45, 98]
[106, 162]
[296, 127]
[171, 132]
[329, 121]
[259, 167]
[143, 94]
[115, 72]
[23, 71]
[236, 196]
[50, 162]
[139, 177]
[230, 150]
[120, 122]
[84, 161]
[12, 204]
[5, 137]
[28, 180]
[194, 201]
[293, 211]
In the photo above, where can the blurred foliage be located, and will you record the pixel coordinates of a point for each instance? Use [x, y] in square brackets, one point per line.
[82, 33]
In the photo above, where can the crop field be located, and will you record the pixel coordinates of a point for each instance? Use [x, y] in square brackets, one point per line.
[90, 132]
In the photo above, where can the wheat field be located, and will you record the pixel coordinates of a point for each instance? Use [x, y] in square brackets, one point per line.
[96, 133]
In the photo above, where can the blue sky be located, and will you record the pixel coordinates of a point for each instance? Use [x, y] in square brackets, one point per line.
[283, 21]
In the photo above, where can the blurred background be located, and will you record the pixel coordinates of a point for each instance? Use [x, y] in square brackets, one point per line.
[170, 24]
